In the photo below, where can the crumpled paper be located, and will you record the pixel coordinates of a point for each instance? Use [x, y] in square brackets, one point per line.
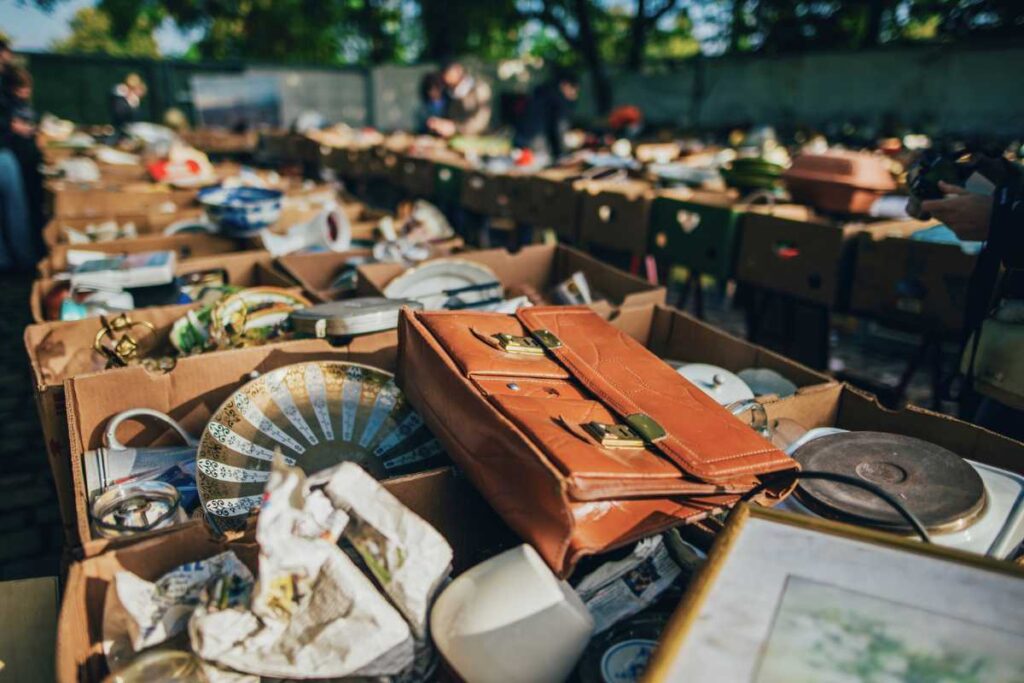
[407, 557]
[621, 588]
[314, 614]
[139, 614]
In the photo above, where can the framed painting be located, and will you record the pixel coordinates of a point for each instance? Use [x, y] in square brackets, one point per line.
[791, 599]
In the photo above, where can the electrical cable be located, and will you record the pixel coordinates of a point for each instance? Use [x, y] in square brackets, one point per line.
[906, 514]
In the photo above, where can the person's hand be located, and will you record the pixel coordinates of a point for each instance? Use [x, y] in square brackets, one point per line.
[443, 127]
[23, 128]
[967, 214]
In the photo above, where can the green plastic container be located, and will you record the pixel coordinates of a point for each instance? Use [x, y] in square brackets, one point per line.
[754, 173]
[447, 184]
[697, 230]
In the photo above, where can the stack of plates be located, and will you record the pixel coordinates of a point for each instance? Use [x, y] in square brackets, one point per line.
[351, 316]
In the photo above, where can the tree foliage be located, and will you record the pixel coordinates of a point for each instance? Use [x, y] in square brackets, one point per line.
[92, 32]
[599, 34]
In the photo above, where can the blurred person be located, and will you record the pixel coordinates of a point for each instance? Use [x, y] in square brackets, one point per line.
[996, 289]
[6, 54]
[21, 140]
[126, 101]
[433, 101]
[547, 116]
[469, 104]
[16, 235]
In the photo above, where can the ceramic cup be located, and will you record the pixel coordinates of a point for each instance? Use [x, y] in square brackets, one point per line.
[510, 619]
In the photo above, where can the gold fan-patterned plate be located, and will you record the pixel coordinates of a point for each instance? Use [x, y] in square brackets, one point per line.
[318, 415]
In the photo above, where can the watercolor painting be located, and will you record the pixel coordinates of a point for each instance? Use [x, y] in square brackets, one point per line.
[826, 634]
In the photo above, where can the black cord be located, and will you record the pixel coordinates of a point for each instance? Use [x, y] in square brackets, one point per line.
[906, 514]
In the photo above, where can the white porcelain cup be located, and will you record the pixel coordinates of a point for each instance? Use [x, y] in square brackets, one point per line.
[510, 619]
[329, 230]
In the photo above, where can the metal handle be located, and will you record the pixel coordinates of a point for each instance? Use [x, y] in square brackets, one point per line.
[110, 437]
[758, 415]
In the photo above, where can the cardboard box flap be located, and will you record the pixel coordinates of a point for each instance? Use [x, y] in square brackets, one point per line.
[185, 246]
[61, 349]
[845, 407]
[722, 200]
[678, 336]
[539, 267]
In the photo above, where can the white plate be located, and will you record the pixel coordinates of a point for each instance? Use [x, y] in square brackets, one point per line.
[428, 284]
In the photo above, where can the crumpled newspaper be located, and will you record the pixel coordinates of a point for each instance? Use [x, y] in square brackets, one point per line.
[407, 557]
[314, 614]
[139, 614]
[622, 588]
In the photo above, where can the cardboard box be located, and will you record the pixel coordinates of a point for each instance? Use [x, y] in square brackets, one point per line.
[487, 193]
[615, 215]
[315, 272]
[190, 393]
[284, 147]
[416, 175]
[220, 142]
[844, 407]
[441, 497]
[350, 162]
[910, 284]
[186, 246]
[549, 199]
[60, 350]
[152, 222]
[244, 268]
[696, 229]
[115, 174]
[75, 201]
[448, 182]
[540, 267]
[674, 335]
[792, 250]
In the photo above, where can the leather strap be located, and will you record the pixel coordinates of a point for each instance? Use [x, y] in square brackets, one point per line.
[696, 433]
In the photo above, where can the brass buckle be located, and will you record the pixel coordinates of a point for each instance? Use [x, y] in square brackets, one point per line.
[527, 346]
[646, 426]
[549, 340]
[614, 435]
[123, 350]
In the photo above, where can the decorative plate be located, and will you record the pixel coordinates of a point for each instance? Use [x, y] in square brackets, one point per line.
[447, 283]
[317, 415]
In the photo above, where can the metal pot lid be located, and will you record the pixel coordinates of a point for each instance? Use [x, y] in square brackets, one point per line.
[351, 316]
[763, 381]
[939, 487]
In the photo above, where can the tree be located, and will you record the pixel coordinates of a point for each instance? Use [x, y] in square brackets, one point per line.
[92, 32]
[489, 30]
[645, 19]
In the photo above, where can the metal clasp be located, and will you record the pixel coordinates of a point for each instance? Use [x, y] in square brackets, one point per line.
[124, 349]
[527, 346]
[614, 435]
[646, 426]
[546, 338]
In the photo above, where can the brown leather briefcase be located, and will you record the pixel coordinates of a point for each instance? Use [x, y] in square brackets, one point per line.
[578, 436]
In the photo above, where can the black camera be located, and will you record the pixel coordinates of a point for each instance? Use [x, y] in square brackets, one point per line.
[925, 174]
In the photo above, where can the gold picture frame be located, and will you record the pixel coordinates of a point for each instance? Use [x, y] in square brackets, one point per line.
[695, 614]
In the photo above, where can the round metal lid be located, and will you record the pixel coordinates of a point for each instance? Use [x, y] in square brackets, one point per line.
[351, 316]
[942, 489]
